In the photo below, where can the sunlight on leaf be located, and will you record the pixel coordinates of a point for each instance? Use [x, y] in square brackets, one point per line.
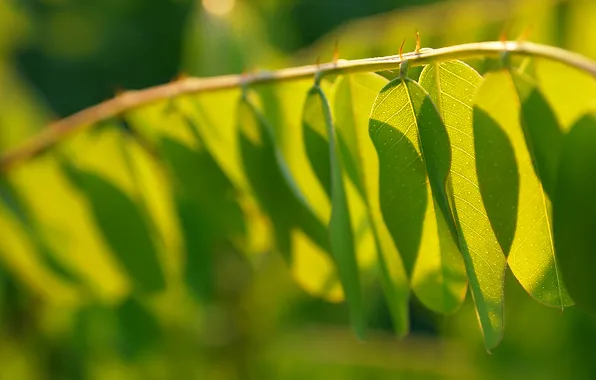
[404, 124]
[74, 235]
[341, 234]
[357, 93]
[531, 256]
[560, 83]
[452, 86]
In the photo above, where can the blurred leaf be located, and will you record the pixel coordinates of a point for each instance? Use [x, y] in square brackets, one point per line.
[73, 236]
[404, 124]
[318, 115]
[316, 138]
[281, 106]
[20, 255]
[574, 212]
[10, 200]
[124, 227]
[356, 94]
[452, 86]
[138, 328]
[526, 219]
[270, 181]
[118, 208]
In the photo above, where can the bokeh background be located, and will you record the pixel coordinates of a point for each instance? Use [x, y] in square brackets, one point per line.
[60, 56]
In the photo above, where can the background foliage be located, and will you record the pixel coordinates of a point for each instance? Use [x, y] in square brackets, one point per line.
[239, 309]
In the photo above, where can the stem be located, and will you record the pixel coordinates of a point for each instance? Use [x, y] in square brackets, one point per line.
[132, 99]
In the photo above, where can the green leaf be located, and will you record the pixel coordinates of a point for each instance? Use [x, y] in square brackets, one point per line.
[531, 253]
[542, 132]
[280, 105]
[73, 236]
[316, 138]
[272, 183]
[560, 83]
[452, 86]
[411, 141]
[300, 236]
[138, 329]
[354, 97]
[341, 236]
[574, 212]
[116, 204]
[205, 201]
[10, 200]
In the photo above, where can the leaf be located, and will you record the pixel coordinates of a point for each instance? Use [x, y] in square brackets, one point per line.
[403, 123]
[316, 138]
[356, 93]
[117, 207]
[318, 115]
[10, 200]
[206, 206]
[138, 329]
[73, 236]
[559, 83]
[542, 132]
[271, 182]
[280, 106]
[19, 254]
[574, 212]
[531, 255]
[452, 86]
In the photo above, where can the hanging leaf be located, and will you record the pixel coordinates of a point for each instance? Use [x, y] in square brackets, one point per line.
[542, 132]
[73, 236]
[316, 138]
[452, 86]
[206, 206]
[280, 105]
[574, 212]
[569, 91]
[357, 93]
[294, 223]
[318, 116]
[414, 203]
[525, 221]
[116, 204]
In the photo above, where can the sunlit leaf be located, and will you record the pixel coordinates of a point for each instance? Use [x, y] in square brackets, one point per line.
[118, 209]
[357, 93]
[569, 91]
[73, 236]
[574, 212]
[277, 194]
[522, 204]
[316, 138]
[411, 141]
[206, 206]
[280, 105]
[137, 326]
[342, 238]
[542, 132]
[452, 86]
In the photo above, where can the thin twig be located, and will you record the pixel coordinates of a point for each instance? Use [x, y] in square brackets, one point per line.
[133, 99]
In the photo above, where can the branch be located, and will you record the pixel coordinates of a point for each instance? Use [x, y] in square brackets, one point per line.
[133, 99]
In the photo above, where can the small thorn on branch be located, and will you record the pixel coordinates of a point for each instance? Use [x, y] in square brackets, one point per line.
[417, 43]
[524, 34]
[336, 52]
[401, 50]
